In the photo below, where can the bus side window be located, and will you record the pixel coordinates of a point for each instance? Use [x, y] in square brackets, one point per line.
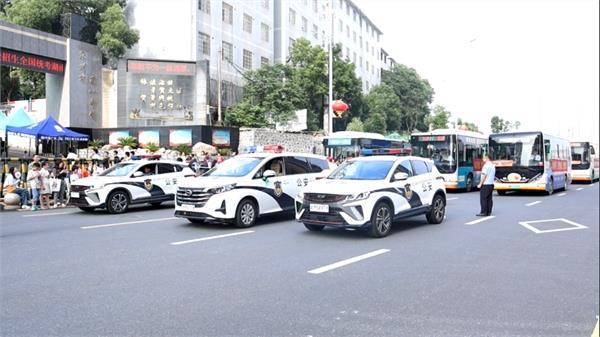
[592, 151]
[547, 148]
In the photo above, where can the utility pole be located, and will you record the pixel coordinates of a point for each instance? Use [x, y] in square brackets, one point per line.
[219, 112]
[329, 105]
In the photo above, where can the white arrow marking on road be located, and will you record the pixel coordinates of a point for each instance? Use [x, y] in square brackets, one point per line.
[47, 214]
[480, 220]
[562, 194]
[210, 238]
[579, 189]
[347, 261]
[533, 203]
[127, 223]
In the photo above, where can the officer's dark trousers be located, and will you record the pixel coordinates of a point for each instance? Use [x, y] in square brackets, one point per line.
[485, 199]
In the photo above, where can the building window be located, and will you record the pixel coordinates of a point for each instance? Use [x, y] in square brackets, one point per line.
[247, 59]
[292, 17]
[354, 37]
[291, 45]
[264, 32]
[348, 31]
[204, 5]
[264, 61]
[354, 14]
[227, 51]
[304, 25]
[347, 9]
[360, 63]
[373, 50]
[354, 57]
[315, 6]
[347, 53]
[248, 23]
[360, 43]
[265, 4]
[204, 44]
[341, 24]
[227, 13]
[367, 46]
[367, 83]
[315, 31]
[367, 63]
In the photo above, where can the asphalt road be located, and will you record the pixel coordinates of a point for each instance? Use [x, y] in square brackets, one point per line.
[68, 273]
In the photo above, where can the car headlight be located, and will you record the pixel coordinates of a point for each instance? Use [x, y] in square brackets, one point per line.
[94, 188]
[301, 195]
[359, 196]
[222, 189]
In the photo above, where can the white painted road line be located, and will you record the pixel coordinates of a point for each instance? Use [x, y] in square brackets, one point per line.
[562, 194]
[127, 223]
[210, 238]
[451, 199]
[529, 225]
[579, 189]
[347, 261]
[480, 220]
[533, 203]
[47, 214]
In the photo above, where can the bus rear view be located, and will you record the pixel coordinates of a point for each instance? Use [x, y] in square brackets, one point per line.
[532, 161]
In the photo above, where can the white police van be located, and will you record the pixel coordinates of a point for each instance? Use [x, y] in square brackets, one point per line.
[243, 187]
[127, 183]
[371, 192]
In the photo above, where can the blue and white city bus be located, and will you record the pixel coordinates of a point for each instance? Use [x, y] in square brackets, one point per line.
[343, 144]
[457, 154]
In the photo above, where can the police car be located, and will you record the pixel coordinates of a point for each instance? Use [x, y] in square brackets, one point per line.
[371, 192]
[243, 187]
[127, 183]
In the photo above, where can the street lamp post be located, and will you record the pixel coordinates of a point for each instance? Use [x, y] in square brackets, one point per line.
[330, 68]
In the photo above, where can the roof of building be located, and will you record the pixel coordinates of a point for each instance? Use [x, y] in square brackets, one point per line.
[364, 16]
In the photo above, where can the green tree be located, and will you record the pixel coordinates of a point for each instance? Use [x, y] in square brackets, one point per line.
[184, 149]
[128, 141]
[499, 125]
[440, 117]
[415, 95]
[152, 147]
[43, 15]
[467, 125]
[383, 101]
[115, 36]
[246, 114]
[375, 123]
[355, 125]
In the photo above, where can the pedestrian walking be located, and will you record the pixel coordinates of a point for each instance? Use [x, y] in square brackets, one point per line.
[45, 188]
[34, 180]
[62, 174]
[486, 186]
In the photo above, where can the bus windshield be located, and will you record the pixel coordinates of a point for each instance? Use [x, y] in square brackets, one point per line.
[441, 149]
[523, 150]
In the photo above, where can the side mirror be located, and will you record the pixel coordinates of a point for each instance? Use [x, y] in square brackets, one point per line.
[400, 176]
[269, 174]
[137, 174]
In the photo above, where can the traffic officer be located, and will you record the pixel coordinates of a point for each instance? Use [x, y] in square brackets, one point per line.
[486, 186]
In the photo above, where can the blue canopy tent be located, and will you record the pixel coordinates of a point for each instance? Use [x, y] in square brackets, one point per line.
[48, 129]
[18, 118]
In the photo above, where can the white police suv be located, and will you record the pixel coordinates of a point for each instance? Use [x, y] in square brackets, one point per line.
[371, 192]
[243, 187]
[132, 182]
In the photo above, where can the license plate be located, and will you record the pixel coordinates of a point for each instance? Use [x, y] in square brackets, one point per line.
[319, 208]
[187, 207]
[74, 194]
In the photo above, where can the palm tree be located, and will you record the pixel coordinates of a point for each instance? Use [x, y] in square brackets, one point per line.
[128, 141]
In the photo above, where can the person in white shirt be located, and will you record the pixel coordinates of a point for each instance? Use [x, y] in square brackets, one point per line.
[486, 186]
[72, 154]
[11, 185]
[34, 180]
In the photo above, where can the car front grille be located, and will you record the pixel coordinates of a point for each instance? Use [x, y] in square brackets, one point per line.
[331, 219]
[323, 197]
[79, 188]
[195, 196]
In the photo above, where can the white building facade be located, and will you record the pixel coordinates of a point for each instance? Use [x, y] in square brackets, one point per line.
[216, 41]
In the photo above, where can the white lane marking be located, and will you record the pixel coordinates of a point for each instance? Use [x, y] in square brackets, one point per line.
[451, 199]
[347, 261]
[562, 194]
[579, 189]
[127, 223]
[533, 203]
[528, 225]
[485, 218]
[210, 238]
[47, 214]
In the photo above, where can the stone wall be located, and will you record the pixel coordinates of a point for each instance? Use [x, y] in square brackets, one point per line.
[292, 141]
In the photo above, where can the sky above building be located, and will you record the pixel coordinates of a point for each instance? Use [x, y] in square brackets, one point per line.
[535, 61]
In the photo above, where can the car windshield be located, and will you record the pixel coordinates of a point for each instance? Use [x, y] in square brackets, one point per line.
[234, 167]
[119, 170]
[362, 170]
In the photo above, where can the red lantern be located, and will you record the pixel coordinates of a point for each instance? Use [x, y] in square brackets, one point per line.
[339, 107]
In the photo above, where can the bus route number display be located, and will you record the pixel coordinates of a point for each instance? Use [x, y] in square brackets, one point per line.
[19, 59]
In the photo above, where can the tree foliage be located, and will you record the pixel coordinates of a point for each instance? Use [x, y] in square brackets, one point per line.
[355, 125]
[439, 118]
[383, 101]
[467, 125]
[375, 123]
[415, 95]
[499, 125]
[115, 36]
[246, 114]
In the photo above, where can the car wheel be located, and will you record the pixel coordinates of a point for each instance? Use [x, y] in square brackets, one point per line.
[117, 202]
[381, 220]
[314, 228]
[196, 221]
[438, 210]
[469, 187]
[87, 209]
[550, 187]
[246, 214]
[501, 192]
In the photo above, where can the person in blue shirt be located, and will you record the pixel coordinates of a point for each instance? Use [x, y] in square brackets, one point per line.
[486, 186]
